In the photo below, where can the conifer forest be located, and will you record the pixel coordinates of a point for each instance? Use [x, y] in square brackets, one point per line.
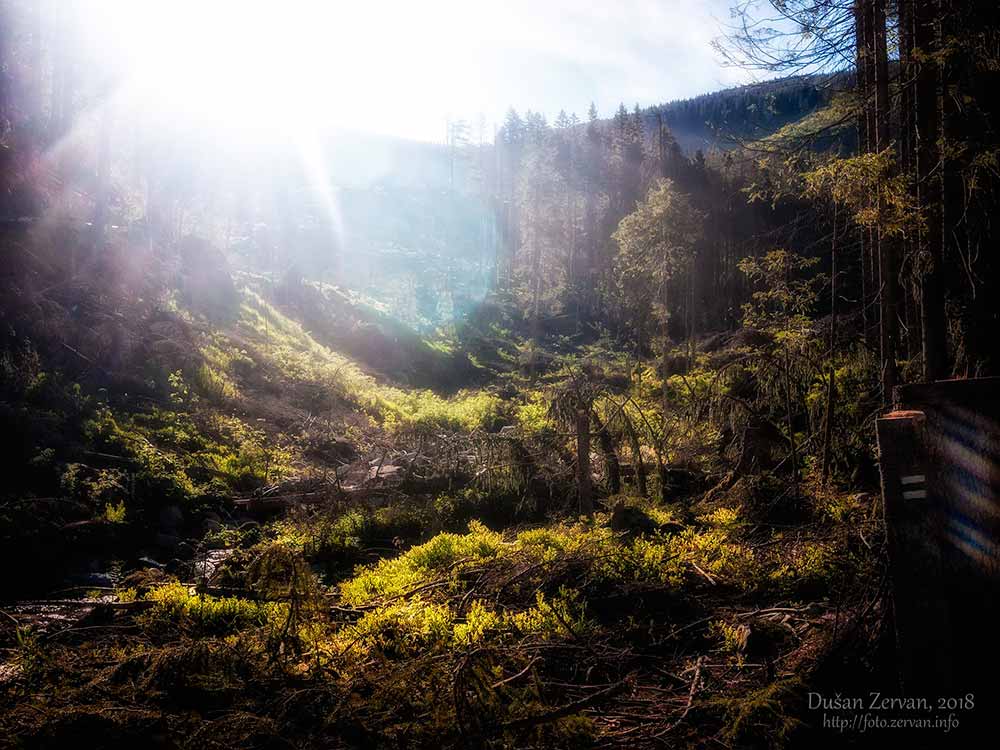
[369, 380]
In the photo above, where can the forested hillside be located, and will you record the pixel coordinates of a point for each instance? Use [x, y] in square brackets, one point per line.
[722, 119]
[560, 438]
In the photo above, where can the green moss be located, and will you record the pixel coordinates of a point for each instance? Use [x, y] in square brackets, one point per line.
[724, 519]
[714, 552]
[660, 515]
[655, 559]
[215, 384]
[160, 473]
[840, 507]
[642, 560]
[403, 628]
[550, 542]
[243, 455]
[100, 488]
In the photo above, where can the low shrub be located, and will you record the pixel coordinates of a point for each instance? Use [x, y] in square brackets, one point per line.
[175, 606]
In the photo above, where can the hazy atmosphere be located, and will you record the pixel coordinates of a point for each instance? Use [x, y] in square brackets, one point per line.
[360, 66]
[499, 375]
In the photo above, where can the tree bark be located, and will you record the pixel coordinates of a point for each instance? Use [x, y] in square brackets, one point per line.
[925, 39]
[888, 273]
[831, 389]
[611, 464]
[637, 463]
[665, 396]
[907, 161]
[794, 451]
[862, 63]
[583, 484]
[831, 385]
[950, 164]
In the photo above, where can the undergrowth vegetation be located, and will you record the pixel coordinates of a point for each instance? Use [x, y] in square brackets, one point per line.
[297, 354]
[559, 438]
[350, 557]
[481, 609]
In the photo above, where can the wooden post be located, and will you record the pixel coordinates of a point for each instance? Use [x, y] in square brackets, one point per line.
[922, 620]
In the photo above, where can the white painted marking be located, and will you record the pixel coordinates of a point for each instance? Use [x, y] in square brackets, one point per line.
[914, 479]
[915, 495]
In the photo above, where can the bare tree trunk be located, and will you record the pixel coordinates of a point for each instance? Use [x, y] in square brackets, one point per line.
[888, 324]
[907, 161]
[828, 425]
[666, 408]
[954, 190]
[864, 133]
[794, 452]
[691, 316]
[925, 38]
[611, 463]
[831, 386]
[584, 490]
[536, 292]
[638, 466]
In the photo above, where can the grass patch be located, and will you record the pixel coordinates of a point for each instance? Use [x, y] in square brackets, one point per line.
[299, 356]
[444, 555]
[179, 459]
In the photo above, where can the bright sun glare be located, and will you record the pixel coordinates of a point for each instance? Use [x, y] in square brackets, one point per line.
[259, 67]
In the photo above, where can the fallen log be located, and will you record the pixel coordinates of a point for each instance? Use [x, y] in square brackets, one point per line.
[284, 502]
[280, 502]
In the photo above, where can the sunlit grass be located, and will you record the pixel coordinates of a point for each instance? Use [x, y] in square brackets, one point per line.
[659, 559]
[177, 458]
[174, 605]
[444, 556]
[294, 350]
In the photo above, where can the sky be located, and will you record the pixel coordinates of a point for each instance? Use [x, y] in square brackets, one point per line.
[403, 68]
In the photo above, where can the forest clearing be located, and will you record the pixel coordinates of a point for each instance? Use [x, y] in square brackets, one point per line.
[673, 428]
